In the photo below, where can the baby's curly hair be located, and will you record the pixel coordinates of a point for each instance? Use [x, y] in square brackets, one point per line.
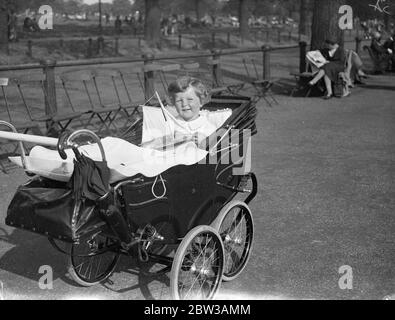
[183, 83]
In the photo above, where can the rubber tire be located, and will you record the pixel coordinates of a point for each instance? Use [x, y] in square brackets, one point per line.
[73, 274]
[179, 256]
[216, 224]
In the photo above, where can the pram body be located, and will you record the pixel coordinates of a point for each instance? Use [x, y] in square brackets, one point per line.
[185, 207]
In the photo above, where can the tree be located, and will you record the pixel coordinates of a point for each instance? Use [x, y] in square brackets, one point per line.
[326, 22]
[303, 17]
[198, 7]
[3, 25]
[152, 23]
[243, 19]
[72, 7]
[121, 7]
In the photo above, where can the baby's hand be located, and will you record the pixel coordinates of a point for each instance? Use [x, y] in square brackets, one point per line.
[195, 138]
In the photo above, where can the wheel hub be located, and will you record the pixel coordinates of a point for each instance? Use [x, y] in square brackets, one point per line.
[229, 240]
[203, 270]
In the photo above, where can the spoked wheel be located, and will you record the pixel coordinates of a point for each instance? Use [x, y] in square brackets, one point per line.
[236, 228]
[197, 267]
[93, 260]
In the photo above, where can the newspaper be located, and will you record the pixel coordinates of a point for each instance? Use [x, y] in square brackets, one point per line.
[316, 58]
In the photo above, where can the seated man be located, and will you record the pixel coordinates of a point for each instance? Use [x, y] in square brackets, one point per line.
[381, 52]
[187, 95]
[390, 44]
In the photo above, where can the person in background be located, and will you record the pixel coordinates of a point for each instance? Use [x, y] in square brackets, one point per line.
[118, 25]
[390, 44]
[164, 24]
[35, 24]
[12, 26]
[382, 53]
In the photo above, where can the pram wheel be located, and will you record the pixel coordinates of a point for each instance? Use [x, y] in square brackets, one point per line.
[236, 228]
[198, 265]
[93, 259]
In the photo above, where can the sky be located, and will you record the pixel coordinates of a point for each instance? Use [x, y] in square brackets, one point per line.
[95, 1]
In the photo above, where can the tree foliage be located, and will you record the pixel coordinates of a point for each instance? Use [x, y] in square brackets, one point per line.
[364, 9]
[121, 7]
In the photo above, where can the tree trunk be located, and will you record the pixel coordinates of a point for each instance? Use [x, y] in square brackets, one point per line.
[303, 17]
[152, 23]
[326, 23]
[198, 10]
[4, 25]
[243, 19]
[386, 22]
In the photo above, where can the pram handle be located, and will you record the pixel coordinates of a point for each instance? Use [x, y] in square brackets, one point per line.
[23, 153]
[66, 140]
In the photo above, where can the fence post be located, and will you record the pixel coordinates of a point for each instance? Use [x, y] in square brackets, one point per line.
[149, 81]
[50, 87]
[29, 48]
[267, 35]
[139, 42]
[302, 56]
[100, 45]
[279, 35]
[179, 41]
[61, 43]
[216, 71]
[266, 62]
[213, 38]
[116, 46]
[196, 41]
[358, 41]
[89, 50]
[228, 38]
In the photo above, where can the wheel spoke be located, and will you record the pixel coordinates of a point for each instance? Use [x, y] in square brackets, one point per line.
[200, 269]
[93, 260]
[236, 233]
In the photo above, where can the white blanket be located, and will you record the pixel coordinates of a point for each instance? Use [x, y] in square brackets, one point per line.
[123, 158]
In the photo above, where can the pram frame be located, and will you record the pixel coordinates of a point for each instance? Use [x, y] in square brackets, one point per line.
[175, 264]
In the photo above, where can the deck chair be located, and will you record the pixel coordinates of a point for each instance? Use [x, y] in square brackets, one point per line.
[301, 81]
[133, 86]
[14, 114]
[263, 87]
[194, 69]
[123, 107]
[220, 87]
[166, 74]
[81, 89]
[56, 123]
[108, 90]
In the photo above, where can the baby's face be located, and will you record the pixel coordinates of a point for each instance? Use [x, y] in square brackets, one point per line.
[187, 104]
